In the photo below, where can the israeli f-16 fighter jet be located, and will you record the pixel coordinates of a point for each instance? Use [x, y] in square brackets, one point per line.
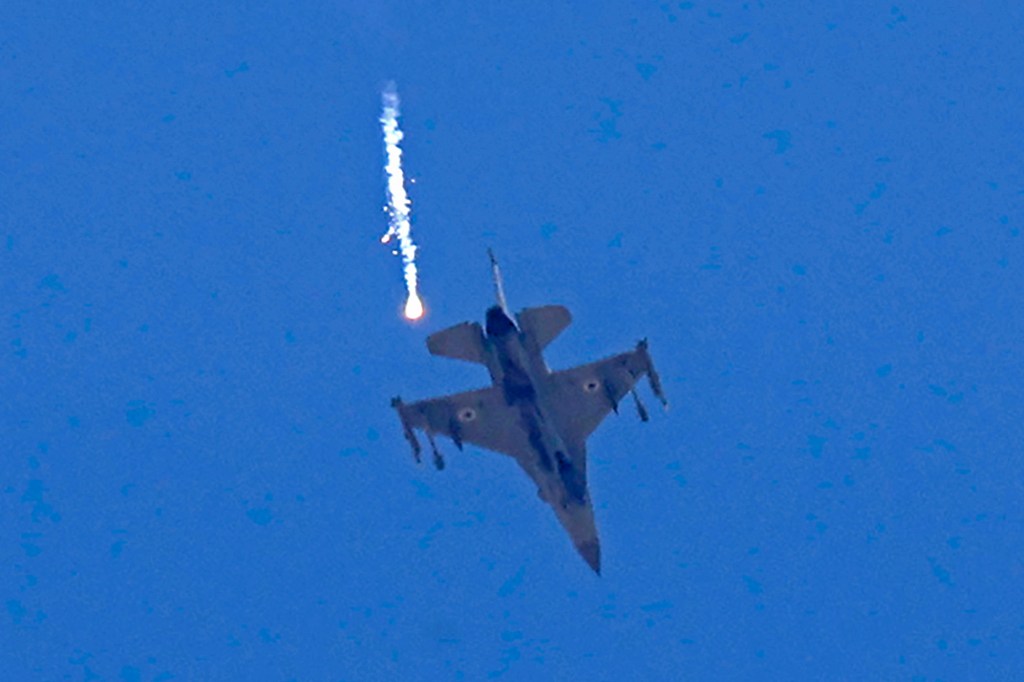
[540, 417]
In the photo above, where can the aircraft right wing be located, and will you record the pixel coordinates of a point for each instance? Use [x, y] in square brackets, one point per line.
[479, 417]
[582, 397]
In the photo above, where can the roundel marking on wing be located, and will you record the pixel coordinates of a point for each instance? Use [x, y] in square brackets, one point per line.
[467, 414]
[591, 385]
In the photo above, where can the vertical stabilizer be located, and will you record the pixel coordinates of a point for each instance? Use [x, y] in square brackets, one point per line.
[499, 290]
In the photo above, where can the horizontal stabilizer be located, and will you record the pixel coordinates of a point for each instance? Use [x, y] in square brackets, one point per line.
[463, 342]
[544, 323]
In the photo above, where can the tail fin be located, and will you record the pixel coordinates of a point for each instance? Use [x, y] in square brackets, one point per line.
[499, 290]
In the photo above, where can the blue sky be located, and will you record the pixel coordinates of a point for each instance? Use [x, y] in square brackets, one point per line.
[812, 210]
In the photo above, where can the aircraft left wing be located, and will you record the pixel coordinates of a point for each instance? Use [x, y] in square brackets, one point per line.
[479, 417]
[582, 397]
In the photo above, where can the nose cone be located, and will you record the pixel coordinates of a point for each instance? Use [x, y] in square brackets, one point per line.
[591, 553]
[578, 520]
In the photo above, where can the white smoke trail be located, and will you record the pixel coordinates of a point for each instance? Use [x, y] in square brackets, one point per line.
[398, 201]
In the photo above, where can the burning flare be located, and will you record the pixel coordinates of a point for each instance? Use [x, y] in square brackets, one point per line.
[413, 307]
[398, 208]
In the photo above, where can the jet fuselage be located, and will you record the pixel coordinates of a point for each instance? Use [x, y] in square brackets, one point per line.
[539, 417]
[518, 369]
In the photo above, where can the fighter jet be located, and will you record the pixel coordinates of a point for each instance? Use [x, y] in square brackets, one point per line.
[539, 417]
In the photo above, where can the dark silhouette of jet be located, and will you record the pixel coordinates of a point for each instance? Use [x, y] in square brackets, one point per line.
[539, 417]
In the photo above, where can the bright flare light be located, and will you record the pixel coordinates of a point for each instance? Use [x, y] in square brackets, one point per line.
[413, 307]
[398, 208]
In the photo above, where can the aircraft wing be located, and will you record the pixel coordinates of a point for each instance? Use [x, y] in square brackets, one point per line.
[479, 417]
[582, 397]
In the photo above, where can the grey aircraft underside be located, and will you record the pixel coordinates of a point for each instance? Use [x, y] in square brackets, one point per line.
[539, 417]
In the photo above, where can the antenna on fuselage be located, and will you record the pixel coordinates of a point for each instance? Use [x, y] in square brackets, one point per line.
[499, 290]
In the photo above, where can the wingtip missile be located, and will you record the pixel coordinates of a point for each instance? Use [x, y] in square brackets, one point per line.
[410, 435]
[652, 374]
